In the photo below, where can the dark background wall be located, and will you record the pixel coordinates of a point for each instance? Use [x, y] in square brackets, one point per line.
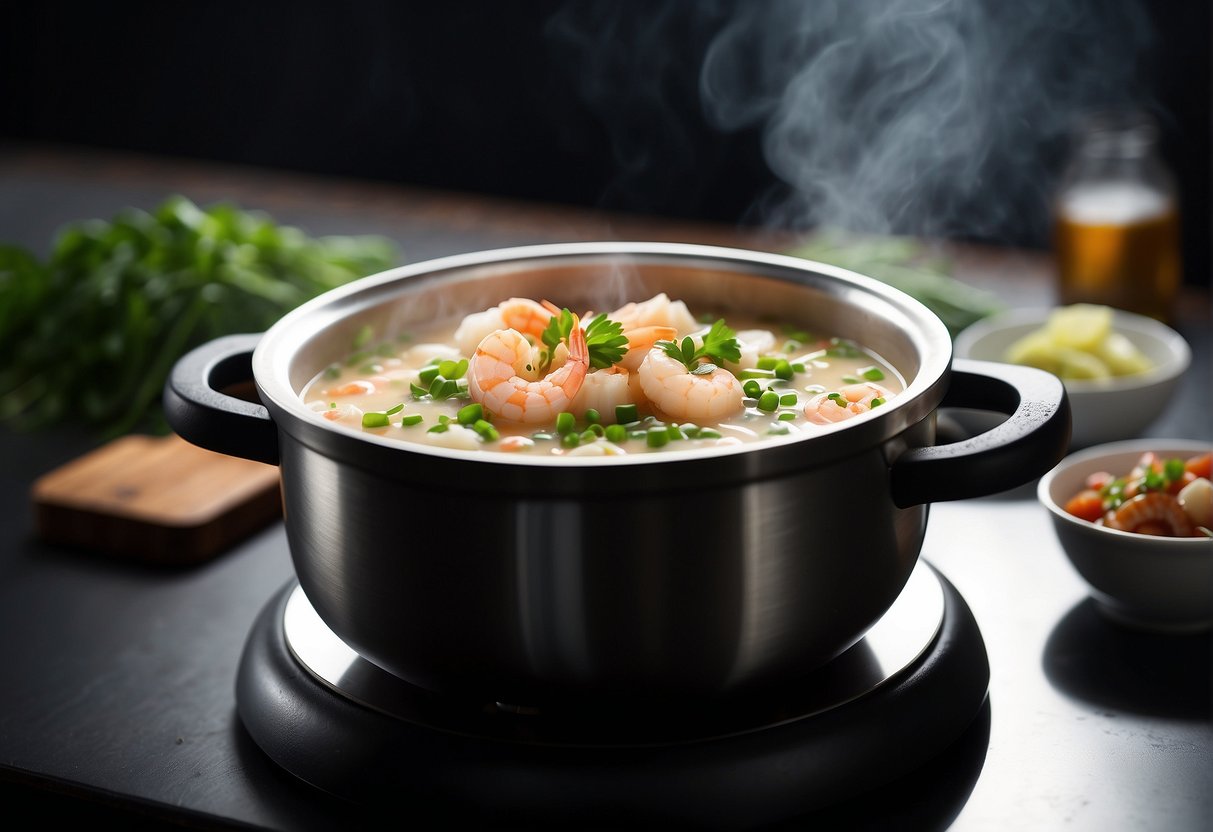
[947, 117]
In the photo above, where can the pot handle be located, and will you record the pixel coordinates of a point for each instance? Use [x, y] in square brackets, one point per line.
[1028, 444]
[201, 414]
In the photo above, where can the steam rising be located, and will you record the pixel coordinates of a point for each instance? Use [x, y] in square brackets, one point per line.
[926, 117]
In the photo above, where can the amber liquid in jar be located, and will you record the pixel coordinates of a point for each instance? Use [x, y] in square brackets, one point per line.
[1118, 244]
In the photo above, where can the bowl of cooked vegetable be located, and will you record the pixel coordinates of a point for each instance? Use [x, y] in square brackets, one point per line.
[1135, 519]
[1119, 368]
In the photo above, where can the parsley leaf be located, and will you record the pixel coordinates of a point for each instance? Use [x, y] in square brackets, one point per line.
[719, 345]
[604, 337]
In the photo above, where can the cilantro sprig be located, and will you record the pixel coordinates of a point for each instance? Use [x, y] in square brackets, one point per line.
[719, 345]
[604, 337]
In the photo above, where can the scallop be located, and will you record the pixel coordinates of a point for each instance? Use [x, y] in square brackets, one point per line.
[1197, 500]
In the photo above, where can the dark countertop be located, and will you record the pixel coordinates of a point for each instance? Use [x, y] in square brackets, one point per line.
[118, 695]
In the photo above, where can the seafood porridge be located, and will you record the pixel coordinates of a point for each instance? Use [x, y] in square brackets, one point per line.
[529, 377]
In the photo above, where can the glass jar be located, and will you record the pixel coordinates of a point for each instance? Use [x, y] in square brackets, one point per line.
[1116, 219]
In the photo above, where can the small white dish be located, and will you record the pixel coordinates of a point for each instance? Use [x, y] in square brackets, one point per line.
[1147, 582]
[1102, 410]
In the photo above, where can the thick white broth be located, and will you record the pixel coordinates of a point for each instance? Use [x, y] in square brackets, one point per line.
[478, 383]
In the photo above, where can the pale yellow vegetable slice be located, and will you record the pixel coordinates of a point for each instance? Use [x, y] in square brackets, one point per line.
[1082, 326]
[1038, 349]
[1122, 356]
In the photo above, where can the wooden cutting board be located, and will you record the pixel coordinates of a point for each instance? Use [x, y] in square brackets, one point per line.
[156, 499]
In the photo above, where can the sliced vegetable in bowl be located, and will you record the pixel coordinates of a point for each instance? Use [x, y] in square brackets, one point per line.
[1079, 341]
[1106, 406]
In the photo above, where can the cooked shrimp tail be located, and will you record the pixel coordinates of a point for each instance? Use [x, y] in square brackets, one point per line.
[641, 340]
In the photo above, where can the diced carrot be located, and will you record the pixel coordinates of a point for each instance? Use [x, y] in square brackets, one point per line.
[1200, 465]
[1086, 504]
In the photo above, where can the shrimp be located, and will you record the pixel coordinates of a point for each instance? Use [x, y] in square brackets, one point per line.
[345, 413]
[753, 343]
[496, 377]
[519, 314]
[526, 316]
[658, 310]
[603, 390]
[1153, 513]
[640, 340]
[828, 408]
[681, 394]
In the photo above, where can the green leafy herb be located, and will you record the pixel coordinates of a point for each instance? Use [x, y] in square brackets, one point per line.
[90, 334]
[603, 337]
[719, 345]
[906, 264]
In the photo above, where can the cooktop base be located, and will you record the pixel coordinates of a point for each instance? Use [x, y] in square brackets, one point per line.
[882, 709]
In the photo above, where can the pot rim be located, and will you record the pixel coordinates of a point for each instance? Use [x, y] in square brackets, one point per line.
[271, 357]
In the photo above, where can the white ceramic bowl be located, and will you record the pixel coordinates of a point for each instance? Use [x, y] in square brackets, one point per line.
[1104, 410]
[1147, 582]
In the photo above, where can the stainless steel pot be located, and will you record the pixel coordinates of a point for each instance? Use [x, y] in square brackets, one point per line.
[526, 579]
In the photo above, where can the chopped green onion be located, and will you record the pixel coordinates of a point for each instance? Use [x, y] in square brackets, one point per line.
[587, 436]
[374, 420]
[470, 414]
[787, 400]
[752, 389]
[441, 427]
[393, 411]
[878, 401]
[332, 371]
[779, 429]
[872, 373]
[486, 430]
[570, 440]
[363, 336]
[674, 432]
[768, 401]
[418, 392]
[428, 374]
[787, 416]
[626, 413]
[410, 419]
[592, 415]
[657, 437]
[798, 367]
[767, 362]
[596, 429]
[564, 423]
[756, 373]
[447, 367]
[851, 379]
[616, 433]
[837, 399]
[783, 369]
[708, 433]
